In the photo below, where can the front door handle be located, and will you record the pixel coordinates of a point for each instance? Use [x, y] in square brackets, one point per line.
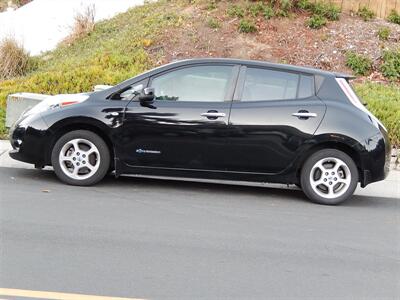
[213, 115]
[304, 115]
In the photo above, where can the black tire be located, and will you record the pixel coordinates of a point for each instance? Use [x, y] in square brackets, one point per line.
[103, 158]
[315, 196]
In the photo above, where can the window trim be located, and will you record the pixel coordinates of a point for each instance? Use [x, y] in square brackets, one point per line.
[231, 83]
[145, 82]
[242, 77]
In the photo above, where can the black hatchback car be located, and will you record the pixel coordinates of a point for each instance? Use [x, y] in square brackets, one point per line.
[213, 119]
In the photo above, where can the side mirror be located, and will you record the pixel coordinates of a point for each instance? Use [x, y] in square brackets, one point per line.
[147, 95]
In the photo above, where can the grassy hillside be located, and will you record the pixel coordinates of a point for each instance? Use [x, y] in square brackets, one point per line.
[116, 50]
[159, 32]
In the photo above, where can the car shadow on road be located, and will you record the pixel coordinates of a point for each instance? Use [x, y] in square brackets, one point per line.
[281, 192]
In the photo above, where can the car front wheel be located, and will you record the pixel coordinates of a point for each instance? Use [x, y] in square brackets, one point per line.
[80, 157]
[329, 177]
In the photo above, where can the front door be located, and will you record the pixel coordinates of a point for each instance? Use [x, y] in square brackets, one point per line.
[275, 115]
[184, 127]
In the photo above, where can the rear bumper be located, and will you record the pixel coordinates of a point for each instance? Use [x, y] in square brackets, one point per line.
[375, 159]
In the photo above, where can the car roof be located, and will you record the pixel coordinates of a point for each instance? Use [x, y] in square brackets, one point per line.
[255, 63]
[258, 63]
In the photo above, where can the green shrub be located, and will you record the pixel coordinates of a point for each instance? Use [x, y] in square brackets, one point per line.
[247, 26]
[394, 17]
[390, 67]
[360, 64]
[316, 21]
[384, 33]
[211, 5]
[366, 14]
[268, 12]
[384, 102]
[213, 23]
[256, 8]
[235, 11]
[285, 6]
[305, 5]
[327, 10]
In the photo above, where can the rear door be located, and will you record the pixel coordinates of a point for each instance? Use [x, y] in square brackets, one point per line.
[273, 115]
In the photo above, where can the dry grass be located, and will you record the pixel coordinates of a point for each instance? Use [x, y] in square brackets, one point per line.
[14, 59]
[83, 25]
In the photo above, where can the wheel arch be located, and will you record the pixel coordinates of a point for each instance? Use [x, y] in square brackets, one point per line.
[341, 146]
[95, 126]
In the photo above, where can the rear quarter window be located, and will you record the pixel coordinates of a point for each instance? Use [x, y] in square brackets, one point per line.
[306, 86]
[269, 85]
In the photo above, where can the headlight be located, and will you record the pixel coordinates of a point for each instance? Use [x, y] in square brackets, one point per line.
[57, 102]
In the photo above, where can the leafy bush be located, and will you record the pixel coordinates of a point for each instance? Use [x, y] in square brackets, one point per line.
[384, 102]
[211, 5]
[14, 60]
[360, 64]
[213, 23]
[258, 8]
[247, 26]
[366, 14]
[390, 67]
[305, 5]
[268, 12]
[284, 7]
[235, 11]
[394, 17]
[327, 10]
[316, 21]
[384, 33]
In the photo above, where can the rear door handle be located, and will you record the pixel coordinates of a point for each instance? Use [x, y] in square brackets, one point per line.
[304, 115]
[213, 115]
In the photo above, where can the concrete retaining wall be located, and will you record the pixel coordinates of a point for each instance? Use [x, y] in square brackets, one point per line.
[20, 102]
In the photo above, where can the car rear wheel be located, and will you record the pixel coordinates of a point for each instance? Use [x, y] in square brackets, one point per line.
[80, 157]
[329, 177]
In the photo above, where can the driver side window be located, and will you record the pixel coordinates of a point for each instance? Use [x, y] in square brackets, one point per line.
[198, 83]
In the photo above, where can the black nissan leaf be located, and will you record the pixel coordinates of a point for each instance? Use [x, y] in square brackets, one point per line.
[216, 119]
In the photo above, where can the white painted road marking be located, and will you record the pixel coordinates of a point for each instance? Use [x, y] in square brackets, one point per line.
[56, 295]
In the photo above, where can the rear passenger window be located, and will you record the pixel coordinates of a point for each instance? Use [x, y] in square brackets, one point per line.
[264, 85]
[306, 86]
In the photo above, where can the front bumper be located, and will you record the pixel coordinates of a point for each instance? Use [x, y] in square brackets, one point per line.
[29, 137]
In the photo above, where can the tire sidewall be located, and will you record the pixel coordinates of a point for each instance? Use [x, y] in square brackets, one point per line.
[306, 170]
[104, 154]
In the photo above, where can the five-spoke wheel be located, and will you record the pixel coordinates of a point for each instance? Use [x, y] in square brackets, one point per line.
[329, 176]
[80, 157]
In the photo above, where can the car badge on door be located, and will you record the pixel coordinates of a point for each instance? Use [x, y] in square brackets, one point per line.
[144, 151]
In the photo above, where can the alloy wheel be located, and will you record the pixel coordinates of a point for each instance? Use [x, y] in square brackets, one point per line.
[330, 177]
[79, 159]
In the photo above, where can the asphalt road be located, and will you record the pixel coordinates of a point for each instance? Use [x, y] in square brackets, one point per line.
[156, 239]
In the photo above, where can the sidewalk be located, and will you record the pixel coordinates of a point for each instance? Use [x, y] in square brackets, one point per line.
[389, 188]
